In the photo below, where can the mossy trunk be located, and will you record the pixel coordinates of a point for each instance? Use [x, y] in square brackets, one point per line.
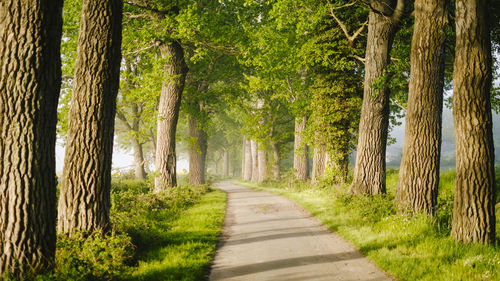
[168, 115]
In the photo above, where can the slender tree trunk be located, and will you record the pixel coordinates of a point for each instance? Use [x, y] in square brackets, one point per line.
[255, 161]
[262, 158]
[419, 173]
[168, 115]
[300, 162]
[276, 161]
[84, 201]
[30, 80]
[243, 159]
[247, 173]
[197, 153]
[319, 163]
[225, 164]
[139, 162]
[369, 173]
[474, 207]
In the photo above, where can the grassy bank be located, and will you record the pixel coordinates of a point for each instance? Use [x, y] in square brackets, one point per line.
[169, 236]
[408, 248]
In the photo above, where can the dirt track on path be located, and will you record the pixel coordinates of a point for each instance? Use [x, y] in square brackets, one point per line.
[268, 237]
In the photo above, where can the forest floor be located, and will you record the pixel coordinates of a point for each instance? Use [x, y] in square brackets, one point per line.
[268, 237]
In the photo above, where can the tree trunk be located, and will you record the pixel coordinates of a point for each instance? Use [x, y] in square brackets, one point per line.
[139, 162]
[84, 201]
[300, 162]
[197, 153]
[369, 173]
[247, 173]
[418, 182]
[262, 158]
[474, 206]
[30, 80]
[319, 163]
[225, 164]
[168, 115]
[255, 161]
[243, 160]
[276, 161]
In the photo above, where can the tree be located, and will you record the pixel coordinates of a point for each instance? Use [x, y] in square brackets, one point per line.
[419, 173]
[84, 201]
[474, 204]
[168, 114]
[30, 80]
[300, 155]
[369, 172]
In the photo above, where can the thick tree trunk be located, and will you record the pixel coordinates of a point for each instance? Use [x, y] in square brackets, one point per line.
[168, 115]
[255, 161]
[84, 201]
[276, 161]
[418, 182]
[139, 162]
[225, 164]
[300, 162]
[319, 163]
[369, 173]
[247, 173]
[197, 153]
[30, 80]
[262, 158]
[474, 207]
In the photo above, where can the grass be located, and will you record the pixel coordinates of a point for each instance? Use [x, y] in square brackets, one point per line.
[166, 236]
[408, 248]
[185, 251]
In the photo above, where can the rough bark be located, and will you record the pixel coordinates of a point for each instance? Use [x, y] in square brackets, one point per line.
[276, 161]
[418, 182]
[262, 158]
[225, 164]
[474, 206]
[168, 115]
[255, 161]
[319, 163]
[247, 173]
[300, 162]
[84, 201]
[30, 80]
[369, 172]
[197, 153]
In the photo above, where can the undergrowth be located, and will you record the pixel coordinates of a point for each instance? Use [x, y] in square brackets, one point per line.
[146, 227]
[415, 247]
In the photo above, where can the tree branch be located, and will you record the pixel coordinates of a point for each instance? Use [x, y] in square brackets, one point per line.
[349, 37]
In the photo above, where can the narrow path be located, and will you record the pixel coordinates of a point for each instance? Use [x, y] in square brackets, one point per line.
[268, 237]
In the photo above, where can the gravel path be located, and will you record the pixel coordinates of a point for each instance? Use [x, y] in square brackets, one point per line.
[268, 237]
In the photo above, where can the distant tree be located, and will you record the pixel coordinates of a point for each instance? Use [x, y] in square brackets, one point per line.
[30, 80]
[474, 206]
[84, 201]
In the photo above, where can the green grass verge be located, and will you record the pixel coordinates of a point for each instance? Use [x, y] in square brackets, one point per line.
[408, 248]
[188, 246]
[165, 236]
